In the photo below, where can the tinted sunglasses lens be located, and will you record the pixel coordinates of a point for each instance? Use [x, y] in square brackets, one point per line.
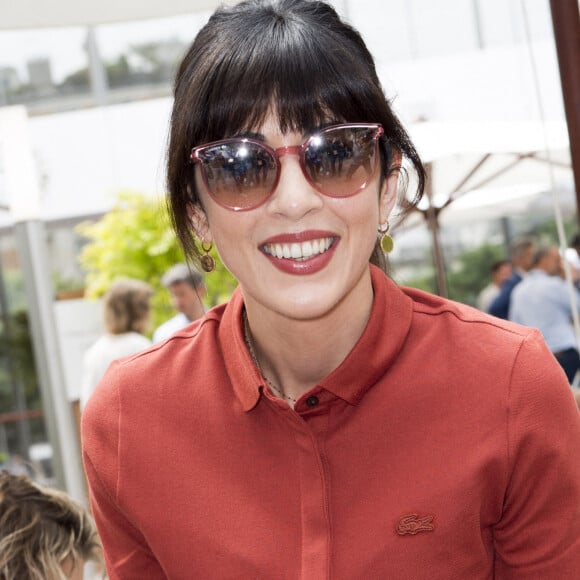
[238, 174]
[341, 161]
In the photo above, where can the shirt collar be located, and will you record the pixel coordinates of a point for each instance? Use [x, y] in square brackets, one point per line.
[375, 351]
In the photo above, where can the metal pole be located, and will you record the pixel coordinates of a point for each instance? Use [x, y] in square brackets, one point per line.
[438, 260]
[98, 75]
[566, 23]
[432, 218]
[31, 240]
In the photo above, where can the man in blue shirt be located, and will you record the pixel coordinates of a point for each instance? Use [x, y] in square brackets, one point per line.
[542, 300]
[522, 255]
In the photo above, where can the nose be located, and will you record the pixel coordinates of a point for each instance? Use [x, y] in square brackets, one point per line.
[293, 197]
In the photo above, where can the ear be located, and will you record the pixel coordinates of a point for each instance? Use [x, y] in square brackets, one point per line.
[389, 190]
[199, 222]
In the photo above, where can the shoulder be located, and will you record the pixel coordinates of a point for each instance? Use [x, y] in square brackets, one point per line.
[478, 353]
[161, 367]
[431, 305]
[154, 388]
[466, 329]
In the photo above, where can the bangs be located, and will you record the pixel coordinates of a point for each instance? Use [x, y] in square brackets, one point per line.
[310, 82]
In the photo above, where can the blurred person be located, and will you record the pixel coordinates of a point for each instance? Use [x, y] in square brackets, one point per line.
[572, 255]
[126, 314]
[542, 300]
[18, 466]
[187, 289]
[500, 271]
[522, 252]
[44, 534]
[323, 423]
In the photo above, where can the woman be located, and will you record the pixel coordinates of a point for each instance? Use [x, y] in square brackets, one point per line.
[44, 535]
[324, 423]
[126, 312]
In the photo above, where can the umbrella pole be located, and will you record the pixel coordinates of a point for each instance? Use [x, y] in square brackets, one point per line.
[438, 260]
[431, 215]
[566, 23]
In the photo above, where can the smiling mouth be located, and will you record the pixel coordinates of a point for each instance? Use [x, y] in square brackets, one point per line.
[299, 251]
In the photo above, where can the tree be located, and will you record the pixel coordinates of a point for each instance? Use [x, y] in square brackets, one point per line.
[135, 240]
[471, 273]
[468, 275]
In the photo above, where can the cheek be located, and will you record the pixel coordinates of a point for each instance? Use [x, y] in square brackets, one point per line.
[232, 234]
[361, 211]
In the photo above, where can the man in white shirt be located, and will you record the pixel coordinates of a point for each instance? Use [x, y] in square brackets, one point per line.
[542, 300]
[187, 289]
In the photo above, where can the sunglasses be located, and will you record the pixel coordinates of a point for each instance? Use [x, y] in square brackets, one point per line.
[241, 173]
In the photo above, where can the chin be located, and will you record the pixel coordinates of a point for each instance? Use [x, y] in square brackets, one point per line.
[301, 307]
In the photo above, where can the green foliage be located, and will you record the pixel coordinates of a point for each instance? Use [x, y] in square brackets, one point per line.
[472, 272]
[17, 368]
[135, 240]
[469, 274]
[425, 283]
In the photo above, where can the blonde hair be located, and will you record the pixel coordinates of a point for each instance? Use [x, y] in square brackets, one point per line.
[40, 530]
[127, 306]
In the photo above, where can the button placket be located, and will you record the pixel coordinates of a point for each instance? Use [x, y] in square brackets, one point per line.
[314, 484]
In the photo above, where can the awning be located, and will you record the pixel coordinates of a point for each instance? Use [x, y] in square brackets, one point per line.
[24, 14]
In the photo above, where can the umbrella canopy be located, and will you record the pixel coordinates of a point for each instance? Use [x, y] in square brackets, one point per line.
[483, 171]
[56, 13]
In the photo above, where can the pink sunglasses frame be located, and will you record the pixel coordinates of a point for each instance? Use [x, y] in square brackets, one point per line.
[299, 150]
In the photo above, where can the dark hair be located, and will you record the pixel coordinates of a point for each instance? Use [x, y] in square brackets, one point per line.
[296, 54]
[40, 529]
[499, 264]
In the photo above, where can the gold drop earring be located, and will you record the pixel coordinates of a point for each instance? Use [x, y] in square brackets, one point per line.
[206, 260]
[386, 240]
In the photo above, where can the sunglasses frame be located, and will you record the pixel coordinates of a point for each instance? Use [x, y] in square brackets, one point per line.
[299, 150]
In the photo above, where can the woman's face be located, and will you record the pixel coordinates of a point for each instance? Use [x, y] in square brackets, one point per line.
[328, 240]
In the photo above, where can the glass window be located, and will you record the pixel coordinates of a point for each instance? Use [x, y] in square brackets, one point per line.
[42, 65]
[146, 52]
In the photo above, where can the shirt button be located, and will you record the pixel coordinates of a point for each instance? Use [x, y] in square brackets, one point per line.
[312, 401]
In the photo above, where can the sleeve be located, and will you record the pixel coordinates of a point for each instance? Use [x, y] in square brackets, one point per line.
[538, 536]
[127, 554]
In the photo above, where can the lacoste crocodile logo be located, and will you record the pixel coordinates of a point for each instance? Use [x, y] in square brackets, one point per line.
[414, 524]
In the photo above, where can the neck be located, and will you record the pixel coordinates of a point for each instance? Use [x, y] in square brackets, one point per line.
[294, 354]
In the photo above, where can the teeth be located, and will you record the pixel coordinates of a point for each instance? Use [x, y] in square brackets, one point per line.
[297, 251]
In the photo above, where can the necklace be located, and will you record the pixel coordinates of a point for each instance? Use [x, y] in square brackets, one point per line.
[250, 345]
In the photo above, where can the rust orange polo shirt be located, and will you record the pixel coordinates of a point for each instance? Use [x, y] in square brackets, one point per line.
[445, 446]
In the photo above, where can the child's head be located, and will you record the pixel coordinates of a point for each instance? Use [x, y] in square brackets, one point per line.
[44, 535]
